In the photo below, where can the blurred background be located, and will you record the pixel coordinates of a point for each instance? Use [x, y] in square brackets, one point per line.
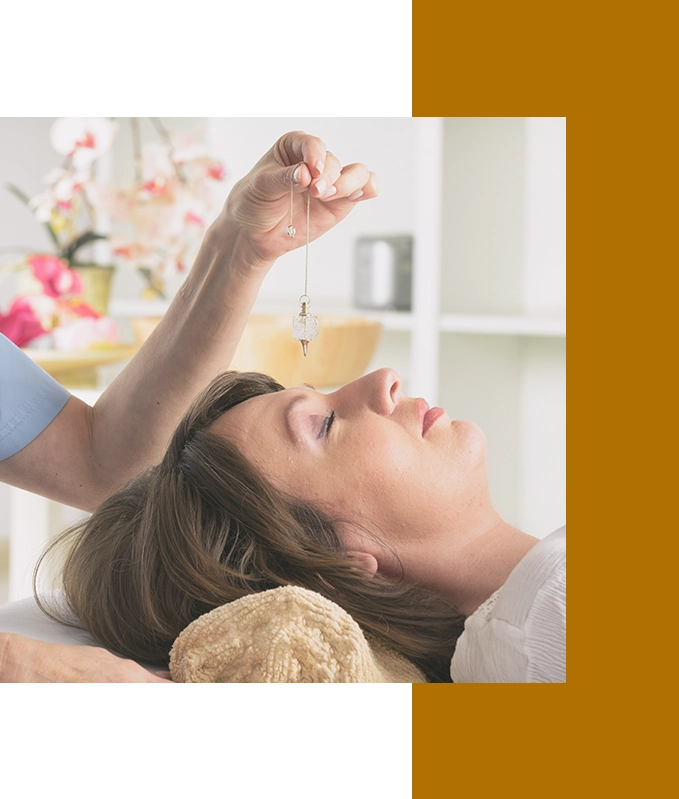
[454, 275]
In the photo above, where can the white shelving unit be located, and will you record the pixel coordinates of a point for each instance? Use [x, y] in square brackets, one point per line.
[486, 335]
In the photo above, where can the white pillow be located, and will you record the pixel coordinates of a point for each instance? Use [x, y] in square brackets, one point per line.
[25, 617]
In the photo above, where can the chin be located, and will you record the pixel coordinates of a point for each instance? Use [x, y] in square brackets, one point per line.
[471, 441]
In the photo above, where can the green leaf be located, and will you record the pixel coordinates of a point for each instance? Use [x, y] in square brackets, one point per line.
[18, 193]
[68, 253]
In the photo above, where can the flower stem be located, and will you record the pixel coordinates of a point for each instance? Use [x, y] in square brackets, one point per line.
[147, 274]
[136, 146]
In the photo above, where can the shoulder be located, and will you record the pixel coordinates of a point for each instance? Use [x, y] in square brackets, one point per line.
[523, 637]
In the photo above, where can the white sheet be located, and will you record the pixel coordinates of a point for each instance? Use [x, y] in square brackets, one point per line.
[26, 618]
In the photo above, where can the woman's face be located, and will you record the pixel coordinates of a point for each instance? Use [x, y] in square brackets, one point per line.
[368, 456]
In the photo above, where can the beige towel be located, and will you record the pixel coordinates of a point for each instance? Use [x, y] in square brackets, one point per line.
[287, 634]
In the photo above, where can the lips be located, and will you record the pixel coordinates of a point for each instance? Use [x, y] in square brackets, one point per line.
[428, 416]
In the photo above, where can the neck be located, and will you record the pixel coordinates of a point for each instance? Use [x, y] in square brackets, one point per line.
[466, 572]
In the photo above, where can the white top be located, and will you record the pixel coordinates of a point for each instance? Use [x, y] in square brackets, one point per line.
[519, 633]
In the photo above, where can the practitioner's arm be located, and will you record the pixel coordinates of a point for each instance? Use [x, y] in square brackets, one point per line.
[87, 452]
[25, 660]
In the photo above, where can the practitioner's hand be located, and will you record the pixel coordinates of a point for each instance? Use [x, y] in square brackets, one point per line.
[26, 660]
[259, 204]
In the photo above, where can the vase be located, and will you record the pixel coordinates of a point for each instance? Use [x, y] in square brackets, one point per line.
[96, 282]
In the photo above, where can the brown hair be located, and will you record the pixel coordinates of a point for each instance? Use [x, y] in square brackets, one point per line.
[203, 528]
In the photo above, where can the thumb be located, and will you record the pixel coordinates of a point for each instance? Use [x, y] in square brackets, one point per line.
[275, 183]
[297, 175]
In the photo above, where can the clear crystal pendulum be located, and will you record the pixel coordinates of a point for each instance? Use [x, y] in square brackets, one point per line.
[304, 325]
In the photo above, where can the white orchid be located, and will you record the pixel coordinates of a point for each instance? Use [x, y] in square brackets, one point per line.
[156, 165]
[83, 139]
[166, 211]
[63, 186]
[159, 219]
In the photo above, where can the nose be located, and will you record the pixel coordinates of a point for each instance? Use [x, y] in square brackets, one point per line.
[380, 391]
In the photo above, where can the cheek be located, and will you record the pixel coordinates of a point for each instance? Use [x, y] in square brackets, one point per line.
[373, 482]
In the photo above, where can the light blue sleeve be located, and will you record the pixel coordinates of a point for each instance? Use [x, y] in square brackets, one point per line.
[29, 399]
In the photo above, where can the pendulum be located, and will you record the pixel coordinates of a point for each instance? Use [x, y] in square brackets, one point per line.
[304, 325]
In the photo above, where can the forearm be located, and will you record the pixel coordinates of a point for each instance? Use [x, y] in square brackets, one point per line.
[196, 339]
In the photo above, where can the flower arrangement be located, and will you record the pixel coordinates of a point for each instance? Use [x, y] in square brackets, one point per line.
[57, 317]
[69, 206]
[157, 222]
[163, 213]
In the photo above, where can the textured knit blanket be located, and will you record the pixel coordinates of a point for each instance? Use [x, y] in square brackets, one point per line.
[287, 634]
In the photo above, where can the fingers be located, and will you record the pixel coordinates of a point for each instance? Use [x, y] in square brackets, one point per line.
[299, 147]
[356, 182]
[324, 186]
[314, 155]
[309, 165]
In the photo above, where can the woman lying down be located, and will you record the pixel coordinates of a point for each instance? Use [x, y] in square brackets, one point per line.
[364, 495]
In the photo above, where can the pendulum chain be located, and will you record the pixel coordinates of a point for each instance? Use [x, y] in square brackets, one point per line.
[304, 325]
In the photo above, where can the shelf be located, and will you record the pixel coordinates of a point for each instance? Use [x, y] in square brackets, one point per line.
[503, 325]
[59, 363]
[403, 321]
[391, 320]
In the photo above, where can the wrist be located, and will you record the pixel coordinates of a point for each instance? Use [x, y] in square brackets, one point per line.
[217, 296]
[228, 244]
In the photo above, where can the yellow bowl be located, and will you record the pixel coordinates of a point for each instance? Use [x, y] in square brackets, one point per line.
[341, 353]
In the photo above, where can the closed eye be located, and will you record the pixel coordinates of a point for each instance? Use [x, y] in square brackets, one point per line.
[327, 424]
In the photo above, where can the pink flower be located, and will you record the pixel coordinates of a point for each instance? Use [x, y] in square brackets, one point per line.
[56, 278]
[216, 171]
[83, 309]
[87, 140]
[190, 217]
[20, 324]
[155, 188]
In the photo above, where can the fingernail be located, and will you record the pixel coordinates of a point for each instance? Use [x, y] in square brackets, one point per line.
[320, 166]
[329, 193]
[296, 174]
[355, 195]
[320, 187]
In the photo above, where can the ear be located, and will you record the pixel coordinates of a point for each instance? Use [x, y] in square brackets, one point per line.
[365, 561]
